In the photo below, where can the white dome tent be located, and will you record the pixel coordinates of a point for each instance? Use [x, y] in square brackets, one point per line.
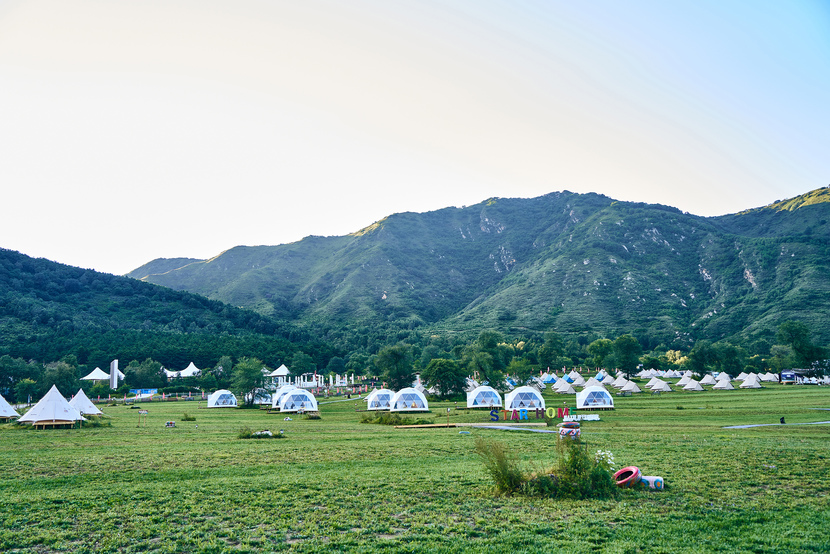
[483, 397]
[221, 399]
[522, 398]
[594, 398]
[379, 399]
[298, 400]
[277, 396]
[409, 400]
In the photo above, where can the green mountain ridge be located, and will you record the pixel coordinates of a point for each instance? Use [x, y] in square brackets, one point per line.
[563, 261]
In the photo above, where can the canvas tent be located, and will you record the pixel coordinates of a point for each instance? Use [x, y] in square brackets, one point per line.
[222, 399]
[52, 410]
[483, 397]
[83, 404]
[97, 374]
[6, 410]
[723, 384]
[190, 371]
[594, 398]
[298, 400]
[631, 387]
[751, 383]
[708, 380]
[662, 386]
[693, 385]
[524, 398]
[409, 400]
[379, 399]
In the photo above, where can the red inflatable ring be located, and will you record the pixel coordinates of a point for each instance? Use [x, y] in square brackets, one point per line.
[628, 476]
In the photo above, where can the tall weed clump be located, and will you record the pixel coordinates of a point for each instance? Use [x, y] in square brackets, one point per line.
[576, 475]
[501, 464]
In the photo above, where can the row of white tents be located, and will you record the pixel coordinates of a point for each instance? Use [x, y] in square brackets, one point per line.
[53, 409]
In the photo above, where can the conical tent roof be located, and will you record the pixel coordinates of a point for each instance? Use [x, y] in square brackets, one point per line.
[620, 381]
[97, 374]
[741, 376]
[483, 397]
[662, 386]
[561, 385]
[693, 386]
[684, 381]
[631, 386]
[83, 404]
[579, 380]
[281, 371]
[190, 371]
[592, 382]
[723, 384]
[566, 388]
[723, 376]
[524, 398]
[6, 409]
[52, 408]
[708, 380]
[750, 383]
[653, 381]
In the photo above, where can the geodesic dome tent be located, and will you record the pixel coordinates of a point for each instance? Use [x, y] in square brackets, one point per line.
[298, 400]
[379, 399]
[523, 398]
[221, 399]
[277, 396]
[409, 400]
[593, 398]
[483, 397]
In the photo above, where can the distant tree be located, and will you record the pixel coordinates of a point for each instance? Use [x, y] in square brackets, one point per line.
[480, 365]
[62, 375]
[247, 378]
[521, 370]
[703, 358]
[447, 376]
[796, 335]
[553, 348]
[302, 363]
[336, 365]
[627, 352]
[599, 350]
[144, 375]
[395, 366]
[24, 390]
[359, 363]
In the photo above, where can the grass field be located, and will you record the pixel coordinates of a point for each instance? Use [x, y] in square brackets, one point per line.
[335, 484]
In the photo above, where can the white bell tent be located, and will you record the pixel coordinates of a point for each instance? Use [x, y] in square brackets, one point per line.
[593, 398]
[524, 398]
[631, 387]
[222, 399]
[409, 400]
[484, 397]
[693, 385]
[379, 399]
[52, 409]
[708, 380]
[662, 386]
[83, 404]
[298, 400]
[723, 384]
[6, 410]
[751, 383]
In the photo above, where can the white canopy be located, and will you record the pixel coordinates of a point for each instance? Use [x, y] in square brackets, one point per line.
[6, 410]
[298, 400]
[379, 399]
[594, 397]
[524, 398]
[97, 374]
[83, 404]
[409, 400]
[52, 408]
[190, 371]
[281, 371]
[222, 399]
[483, 397]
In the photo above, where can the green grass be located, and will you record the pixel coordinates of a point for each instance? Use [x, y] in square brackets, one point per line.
[338, 485]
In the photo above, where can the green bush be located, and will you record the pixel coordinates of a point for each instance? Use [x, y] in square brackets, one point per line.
[247, 433]
[501, 464]
[96, 421]
[188, 417]
[387, 418]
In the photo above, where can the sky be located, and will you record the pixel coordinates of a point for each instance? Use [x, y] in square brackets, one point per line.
[131, 131]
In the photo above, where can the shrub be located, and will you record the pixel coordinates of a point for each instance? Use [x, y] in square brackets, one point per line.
[501, 464]
[387, 418]
[95, 421]
[313, 416]
[188, 417]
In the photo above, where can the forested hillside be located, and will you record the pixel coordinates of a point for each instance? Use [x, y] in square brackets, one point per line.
[572, 263]
[49, 310]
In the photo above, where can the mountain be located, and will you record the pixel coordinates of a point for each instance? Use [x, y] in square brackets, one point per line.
[48, 310]
[564, 261]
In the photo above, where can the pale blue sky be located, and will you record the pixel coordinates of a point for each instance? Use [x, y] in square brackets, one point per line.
[132, 131]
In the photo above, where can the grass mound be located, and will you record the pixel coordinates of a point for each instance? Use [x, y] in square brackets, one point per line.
[387, 418]
[247, 433]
